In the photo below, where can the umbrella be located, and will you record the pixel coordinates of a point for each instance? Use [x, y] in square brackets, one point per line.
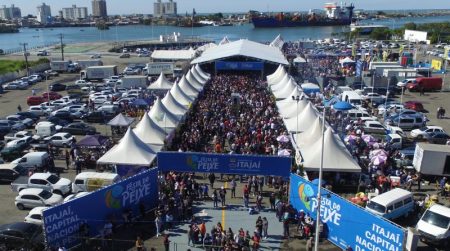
[284, 152]
[283, 138]
[378, 160]
[378, 152]
[350, 138]
[342, 106]
[368, 138]
[140, 102]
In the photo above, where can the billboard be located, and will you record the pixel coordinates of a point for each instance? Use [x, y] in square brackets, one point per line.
[224, 163]
[157, 68]
[62, 223]
[244, 66]
[345, 223]
[415, 36]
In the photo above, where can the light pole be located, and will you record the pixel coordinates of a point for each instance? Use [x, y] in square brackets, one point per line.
[402, 86]
[297, 99]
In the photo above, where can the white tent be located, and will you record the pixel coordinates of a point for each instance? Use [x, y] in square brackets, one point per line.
[173, 55]
[130, 151]
[303, 121]
[299, 60]
[201, 72]
[346, 60]
[149, 132]
[197, 76]
[224, 40]
[173, 105]
[277, 76]
[243, 48]
[290, 86]
[294, 109]
[163, 117]
[336, 157]
[161, 83]
[193, 81]
[187, 88]
[296, 92]
[206, 46]
[281, 83]
[180, 96]
[121, 120]
[311, 135]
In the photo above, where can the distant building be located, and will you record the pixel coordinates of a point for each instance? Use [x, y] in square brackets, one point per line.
[44, 13]
[164, 8]
[74, 13]
[8, 13]
[99, 8]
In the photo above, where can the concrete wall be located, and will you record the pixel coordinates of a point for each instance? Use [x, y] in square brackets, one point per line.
[8, 77]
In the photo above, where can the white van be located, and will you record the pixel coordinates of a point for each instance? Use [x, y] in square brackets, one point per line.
[45, 129]
[434, 226]
[355, 114]
[33, 159]
[91, 181]
[352, 97]
[392, 204]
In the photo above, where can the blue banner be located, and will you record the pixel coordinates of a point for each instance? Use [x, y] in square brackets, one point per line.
[345, 223]
[224, 163]
[243, 66]
[62, 223]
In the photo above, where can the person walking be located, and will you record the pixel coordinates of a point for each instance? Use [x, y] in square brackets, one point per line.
[19, 108]
[190, 236]
[259, 226]
[233, 188]
[158, 224]
[211, 178]
[215, 198]
[166, 242]
[222, 194]
[246, 198]
[265, 227]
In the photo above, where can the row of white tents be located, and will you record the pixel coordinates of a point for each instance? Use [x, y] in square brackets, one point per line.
[304, 122]
[139, 146]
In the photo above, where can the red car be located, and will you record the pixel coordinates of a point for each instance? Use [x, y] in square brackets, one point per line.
[51, 95]
[35, 100]
[414, 105]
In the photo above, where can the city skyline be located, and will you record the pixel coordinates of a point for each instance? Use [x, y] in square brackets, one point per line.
[208, 6]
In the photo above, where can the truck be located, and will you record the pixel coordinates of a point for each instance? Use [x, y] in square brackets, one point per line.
[46, 181]
[378, 70]
[98, 73]
[129, 82]
[400, 74]
[432, 159]
[83, 64]
[425, 84]
[156, 68]
[63, 66]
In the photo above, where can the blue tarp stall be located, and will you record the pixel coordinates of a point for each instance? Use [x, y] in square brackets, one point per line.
[62, 223]
[346, 224]
[239, 66]
[309, 88]
[224, 163]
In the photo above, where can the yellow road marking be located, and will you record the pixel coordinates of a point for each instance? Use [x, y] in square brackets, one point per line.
[223, 209]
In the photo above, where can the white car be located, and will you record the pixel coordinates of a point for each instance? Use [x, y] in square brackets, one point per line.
[60, 139]
[390, 107]
[96, 56]
[36, 197]
[374, 127]
[59, 103]
[374, 97]
[82, 83]
[75, 108]
[35, 216]
[424, 132]
[39, 110]
[74, 196]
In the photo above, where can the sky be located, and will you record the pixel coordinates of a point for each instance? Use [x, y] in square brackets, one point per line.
[214, 6]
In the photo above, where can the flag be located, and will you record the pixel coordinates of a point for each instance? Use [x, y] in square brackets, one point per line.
[402, 48]
[446, 52]
[354, 50]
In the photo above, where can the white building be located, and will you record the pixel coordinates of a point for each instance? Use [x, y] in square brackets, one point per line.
[75, 13]
[43, 13]
[164, 8]
[8, 13]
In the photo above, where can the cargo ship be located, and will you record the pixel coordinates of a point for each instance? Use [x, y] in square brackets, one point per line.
[335, 15]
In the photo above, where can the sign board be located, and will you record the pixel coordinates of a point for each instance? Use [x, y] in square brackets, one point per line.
[436, 64]
[62, 223]
[242, 66]
[415, 36]
[157, 68]
[345, 223]
[224, 163]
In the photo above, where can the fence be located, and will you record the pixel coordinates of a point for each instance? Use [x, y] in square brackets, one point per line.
[20, 49]
[18, 74]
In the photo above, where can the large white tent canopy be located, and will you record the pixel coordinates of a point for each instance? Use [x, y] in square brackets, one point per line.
[173, 55]
[163, 117]
[303, 121]
[277, 76]
[121, 120]
[243, 48]
[197, 76]
[161, 83]
[180, 96]
[149, 132]
[173, 105]
[187, 88]
[130, 151]
[193, 81]
[205, 75]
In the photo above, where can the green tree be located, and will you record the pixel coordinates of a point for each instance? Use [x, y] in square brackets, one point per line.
[410, 26]
[380, 33]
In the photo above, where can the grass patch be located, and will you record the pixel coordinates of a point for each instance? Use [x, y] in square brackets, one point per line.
[7, 66]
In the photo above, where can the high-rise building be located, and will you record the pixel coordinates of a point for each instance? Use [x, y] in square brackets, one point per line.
[8, 13]
[164, 8]
[74, 13]
[99, 8]
[44, 13]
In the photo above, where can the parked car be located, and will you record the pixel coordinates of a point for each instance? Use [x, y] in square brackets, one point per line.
[22, 236]
[97, 117]
[374, 98]
[79, 128]
[73, 89]
[374, 127]
[51, 73]
[35, 216]
[39, 110]
[57, 121]
[19, 135]
[20, 119]
[35, 100]
[37, 197]
[29, 115]
[440, 138]
[414, 105]
[95, 56]
[10, 172]
[57, 87]
[124, 55]
[51, 95]
[66, 115]
[62, 139]
[424, 132]
[14, 126]
[42, 53]
[75, 195]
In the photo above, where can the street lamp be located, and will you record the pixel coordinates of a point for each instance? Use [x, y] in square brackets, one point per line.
[297, 99]
[339, 106]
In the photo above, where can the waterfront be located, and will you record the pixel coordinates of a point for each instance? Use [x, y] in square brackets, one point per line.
[40, 37]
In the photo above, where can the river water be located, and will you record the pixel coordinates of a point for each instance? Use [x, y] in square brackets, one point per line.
[40, 37]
